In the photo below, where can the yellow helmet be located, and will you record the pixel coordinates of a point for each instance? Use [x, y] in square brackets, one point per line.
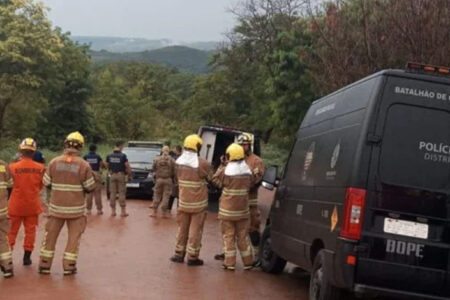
[245, 139]
[235, 152]
[28, 144]
[74, 140]
[193, 142]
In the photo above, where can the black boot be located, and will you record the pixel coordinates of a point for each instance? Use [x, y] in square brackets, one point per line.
[220, 256]
[177, 259]
[195, 262]
[7, 273]
[27, 258]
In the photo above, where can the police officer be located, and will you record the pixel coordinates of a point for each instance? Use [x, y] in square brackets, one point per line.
[96, 163]
[175, 153]
[164, 170]
[5, 251]
[119, 169]
[69, 176]
[193, 173]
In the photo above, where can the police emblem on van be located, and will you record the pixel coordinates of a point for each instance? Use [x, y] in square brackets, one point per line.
[309, 157]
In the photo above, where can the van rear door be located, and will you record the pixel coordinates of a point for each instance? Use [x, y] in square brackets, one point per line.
[209, 141]
[405, 244]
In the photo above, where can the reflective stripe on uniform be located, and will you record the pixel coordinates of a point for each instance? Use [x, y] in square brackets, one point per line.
[190, 184]
[89, 183]
[253, 202]
[47, 253]
[180, 248]
[70, 256]
[47, 180]
[234, 192]
[231, 253]
[193, 251]
[67, 209]
[67, 187]
[199, 204]
[3, 211]
[234, 213]
[6, 255]
[4, 185]
[247, 252]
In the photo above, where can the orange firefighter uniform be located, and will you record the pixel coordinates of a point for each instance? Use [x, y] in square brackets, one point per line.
[69, 177]
[164, 172]
[25, 200]
[235, 181]
[193, 173]
[5, 250]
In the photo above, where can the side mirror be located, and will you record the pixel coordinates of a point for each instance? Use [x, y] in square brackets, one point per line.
[270, 178]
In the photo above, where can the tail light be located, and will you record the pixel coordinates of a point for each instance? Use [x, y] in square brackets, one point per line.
[355, 200]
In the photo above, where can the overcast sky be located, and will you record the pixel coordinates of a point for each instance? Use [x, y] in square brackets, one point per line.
[183, 20]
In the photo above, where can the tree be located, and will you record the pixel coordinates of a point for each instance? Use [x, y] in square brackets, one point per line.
[67, 91]
[354, 38]
[28, 47]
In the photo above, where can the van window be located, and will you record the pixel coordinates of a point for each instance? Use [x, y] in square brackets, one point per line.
[416, 148]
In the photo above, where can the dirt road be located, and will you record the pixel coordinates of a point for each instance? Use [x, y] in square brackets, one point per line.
[129, 259]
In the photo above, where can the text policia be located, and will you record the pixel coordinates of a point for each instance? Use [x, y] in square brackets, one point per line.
[437, 152]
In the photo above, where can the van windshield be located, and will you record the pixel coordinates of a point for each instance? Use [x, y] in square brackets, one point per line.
[416, 148]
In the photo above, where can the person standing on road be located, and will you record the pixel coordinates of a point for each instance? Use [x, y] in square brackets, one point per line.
[193, 173]
[119, 169]
[6, 265]
[25, 200]
[96, 163]
[69, 176]
[164, 170]
[234, 177]
[175, 154]
[257, 167]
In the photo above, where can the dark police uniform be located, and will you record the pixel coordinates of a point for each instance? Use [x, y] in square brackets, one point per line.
[95, 161]
[117, 165]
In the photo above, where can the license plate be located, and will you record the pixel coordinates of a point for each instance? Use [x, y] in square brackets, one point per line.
[133, 185]
[406, 228]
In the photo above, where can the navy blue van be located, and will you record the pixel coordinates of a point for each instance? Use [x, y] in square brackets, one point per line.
[364, 203]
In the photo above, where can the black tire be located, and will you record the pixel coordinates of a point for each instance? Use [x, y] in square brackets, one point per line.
[270, 261]
[319, 286]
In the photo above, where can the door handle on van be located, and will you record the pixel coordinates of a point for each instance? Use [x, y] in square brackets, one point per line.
[373, 138]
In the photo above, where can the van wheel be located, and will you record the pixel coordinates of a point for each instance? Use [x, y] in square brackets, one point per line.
[270, 261]
[319, 286]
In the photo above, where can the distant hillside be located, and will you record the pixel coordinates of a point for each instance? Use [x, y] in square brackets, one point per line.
[180, 57]
[115, 44]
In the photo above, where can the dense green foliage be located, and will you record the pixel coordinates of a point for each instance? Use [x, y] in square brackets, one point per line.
[280, 56]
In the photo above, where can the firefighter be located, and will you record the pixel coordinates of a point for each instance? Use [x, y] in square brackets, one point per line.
[257, 167]
[119, 169]
[193, 173]
[25, 200]
[235, 178]
[164, 170]
[69, 176]
[96, 163]
[6, 265]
